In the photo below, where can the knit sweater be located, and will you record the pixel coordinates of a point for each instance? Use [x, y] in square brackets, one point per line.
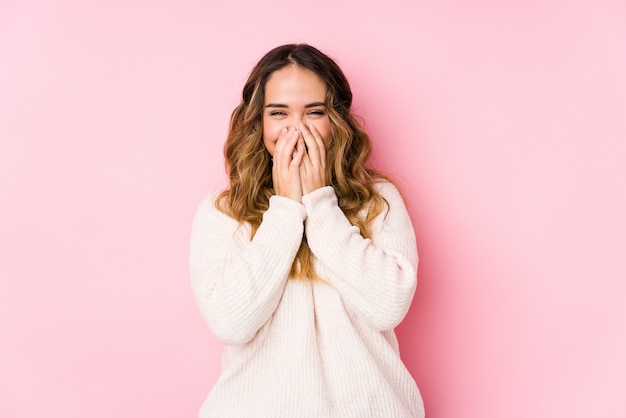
[307, 348]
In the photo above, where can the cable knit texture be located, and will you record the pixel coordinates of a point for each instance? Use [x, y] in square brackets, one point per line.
[301, 348]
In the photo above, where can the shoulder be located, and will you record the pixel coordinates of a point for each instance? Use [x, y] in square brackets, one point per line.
[208, 209]
[207, 204]
[210, 224]
[208, 201]
[395, 215]
[390, 192]
[393, 228]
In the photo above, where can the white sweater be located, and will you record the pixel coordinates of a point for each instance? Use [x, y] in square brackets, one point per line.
[300, 348]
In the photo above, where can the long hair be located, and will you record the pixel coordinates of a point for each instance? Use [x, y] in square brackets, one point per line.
[249, 164]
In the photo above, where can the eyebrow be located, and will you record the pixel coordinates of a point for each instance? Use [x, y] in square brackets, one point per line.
[307, 106]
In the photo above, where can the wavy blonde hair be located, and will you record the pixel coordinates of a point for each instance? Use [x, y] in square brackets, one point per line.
[249, 164]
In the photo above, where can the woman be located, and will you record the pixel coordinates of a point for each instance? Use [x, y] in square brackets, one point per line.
[307, 262]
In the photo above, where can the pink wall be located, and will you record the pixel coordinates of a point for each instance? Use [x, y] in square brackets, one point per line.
[504, 124]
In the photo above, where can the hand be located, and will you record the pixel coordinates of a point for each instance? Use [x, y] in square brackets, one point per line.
[313, 168]
[286, 164]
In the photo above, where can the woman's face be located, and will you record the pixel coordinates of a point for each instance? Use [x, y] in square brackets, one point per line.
[294, 95]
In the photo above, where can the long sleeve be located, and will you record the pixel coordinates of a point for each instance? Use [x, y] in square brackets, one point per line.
[375, 277]
[238, 283]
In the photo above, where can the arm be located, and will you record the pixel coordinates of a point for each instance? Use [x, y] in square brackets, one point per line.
[238, 283]
[375, 277]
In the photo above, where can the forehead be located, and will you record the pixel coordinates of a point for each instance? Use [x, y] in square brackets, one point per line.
[294, 84]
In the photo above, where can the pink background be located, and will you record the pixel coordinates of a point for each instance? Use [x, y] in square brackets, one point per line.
[503, 122]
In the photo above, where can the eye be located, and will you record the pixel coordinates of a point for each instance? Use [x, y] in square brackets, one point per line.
[277, 113]
[317, 112]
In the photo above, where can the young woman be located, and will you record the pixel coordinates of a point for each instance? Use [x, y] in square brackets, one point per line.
[307, 262]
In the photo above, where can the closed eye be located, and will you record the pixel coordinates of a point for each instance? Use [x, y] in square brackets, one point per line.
[317, 112]
[277, 113]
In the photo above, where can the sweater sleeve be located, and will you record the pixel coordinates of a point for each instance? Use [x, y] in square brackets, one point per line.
[238, 282]
[375, 277]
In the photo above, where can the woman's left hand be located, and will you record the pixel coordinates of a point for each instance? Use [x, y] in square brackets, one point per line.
[313, 167]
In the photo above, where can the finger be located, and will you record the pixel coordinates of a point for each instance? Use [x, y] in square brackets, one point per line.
[320, 143]
[303, 177]
[299, 153]
[288, 143]
[307, 163]
[305, 160]
[311, 143]
[279, 144]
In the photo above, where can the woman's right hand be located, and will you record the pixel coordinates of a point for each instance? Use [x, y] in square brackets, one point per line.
[286, 164]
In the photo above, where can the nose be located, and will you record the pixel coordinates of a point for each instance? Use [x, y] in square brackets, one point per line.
[295, 120]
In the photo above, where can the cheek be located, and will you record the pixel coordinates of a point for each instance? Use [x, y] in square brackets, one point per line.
[270, 135]
[325, 131]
